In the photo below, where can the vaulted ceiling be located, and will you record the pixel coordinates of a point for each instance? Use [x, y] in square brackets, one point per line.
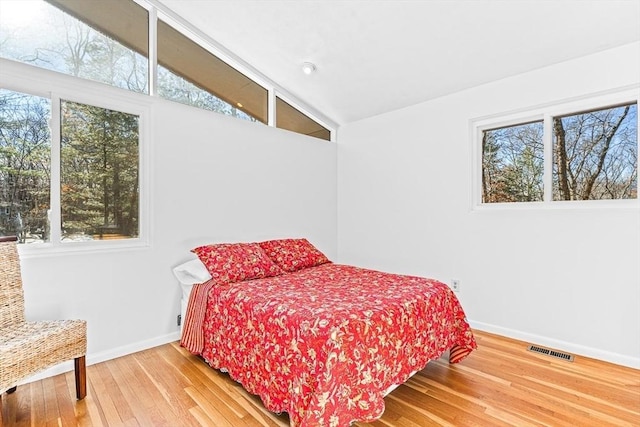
[380, 55]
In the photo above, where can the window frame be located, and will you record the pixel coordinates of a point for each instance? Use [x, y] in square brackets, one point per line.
[55, 86]
[546, 113]
[221, 68]
[295, 106]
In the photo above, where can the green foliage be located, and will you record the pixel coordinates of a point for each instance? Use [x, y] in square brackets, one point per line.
[512, 164]
[24, 165]
[99, 171]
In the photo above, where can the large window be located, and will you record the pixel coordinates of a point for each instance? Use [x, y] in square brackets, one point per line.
[581, 155]
[91, 194]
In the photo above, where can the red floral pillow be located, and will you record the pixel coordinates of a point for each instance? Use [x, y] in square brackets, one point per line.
[293, 254]
[234, 262]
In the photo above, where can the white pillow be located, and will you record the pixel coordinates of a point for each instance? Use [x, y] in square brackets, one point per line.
[191, 272]
[188, 274]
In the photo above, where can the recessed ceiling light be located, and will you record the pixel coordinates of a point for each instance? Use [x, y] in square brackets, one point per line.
[308, 68]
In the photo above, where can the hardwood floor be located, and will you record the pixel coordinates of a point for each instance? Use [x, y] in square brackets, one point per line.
[500, 384]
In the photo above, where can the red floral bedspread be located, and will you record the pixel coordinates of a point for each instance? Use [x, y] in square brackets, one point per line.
[325, 343]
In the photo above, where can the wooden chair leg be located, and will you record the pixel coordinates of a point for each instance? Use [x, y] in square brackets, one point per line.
[81, 377]
[12, 390]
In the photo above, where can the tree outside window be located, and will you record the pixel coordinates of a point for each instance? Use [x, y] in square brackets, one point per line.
[41, 34]
[99, 170]
[25, 166]
[38, 33]
[512, 164]
[593, 156]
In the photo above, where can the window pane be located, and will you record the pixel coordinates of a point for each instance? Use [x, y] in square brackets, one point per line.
[512, 164]
[291, 119]
[25, 166]
[175, 88]
[99, 173]
[190, 74]
[595, 155]
[111, 49]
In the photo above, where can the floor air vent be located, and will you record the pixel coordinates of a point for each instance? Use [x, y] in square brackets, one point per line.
[552, 353]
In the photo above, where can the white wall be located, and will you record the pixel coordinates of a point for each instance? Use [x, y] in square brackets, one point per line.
[567, 278]
[214, 178]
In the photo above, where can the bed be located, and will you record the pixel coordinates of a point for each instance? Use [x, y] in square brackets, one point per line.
[321, 341]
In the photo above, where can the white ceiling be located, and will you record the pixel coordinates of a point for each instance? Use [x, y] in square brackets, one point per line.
[377, 56]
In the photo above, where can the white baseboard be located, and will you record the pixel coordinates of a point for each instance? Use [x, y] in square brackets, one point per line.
[619, 359]
[594, 353]
[105, 355]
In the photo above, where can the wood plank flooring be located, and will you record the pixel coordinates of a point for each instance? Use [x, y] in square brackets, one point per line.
[500, 384]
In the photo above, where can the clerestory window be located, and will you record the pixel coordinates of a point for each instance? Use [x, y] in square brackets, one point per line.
[290, 118]
[109, 41]
[105, 41]
[189, 74]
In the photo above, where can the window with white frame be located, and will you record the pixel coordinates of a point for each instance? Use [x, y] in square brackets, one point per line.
[105, 41]
[290, 118]
[579, 151]
[118, 42]
[91, 193]
[190, 74]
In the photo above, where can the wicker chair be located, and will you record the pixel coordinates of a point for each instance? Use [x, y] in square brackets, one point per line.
[29, 347]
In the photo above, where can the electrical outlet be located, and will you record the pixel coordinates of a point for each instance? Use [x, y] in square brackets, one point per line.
[179, 319]
[455, 285]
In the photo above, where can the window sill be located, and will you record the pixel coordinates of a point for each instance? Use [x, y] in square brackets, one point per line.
[631, 204]
[38, 250]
